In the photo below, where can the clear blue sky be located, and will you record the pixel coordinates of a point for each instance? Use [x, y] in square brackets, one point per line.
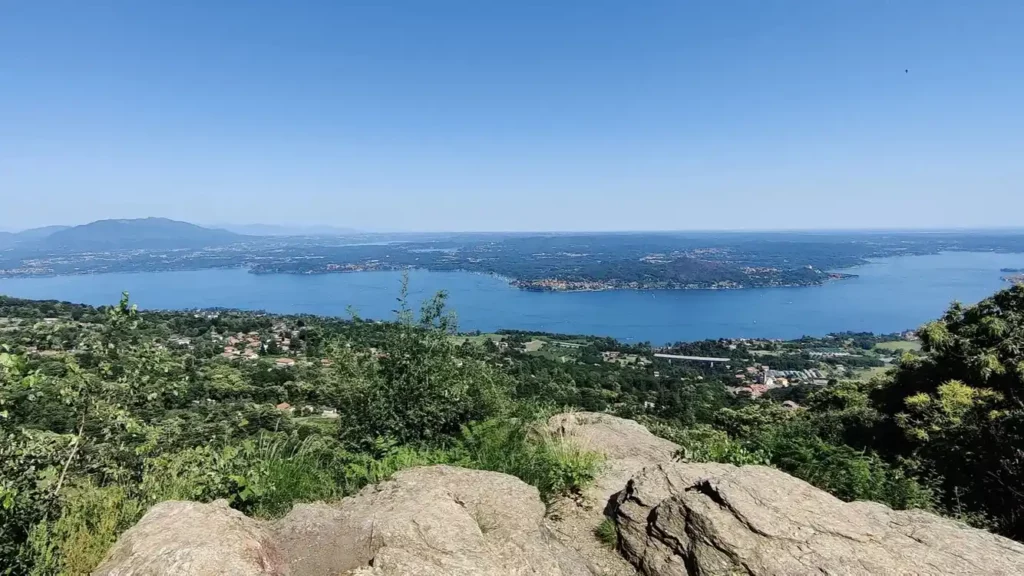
[480, 115]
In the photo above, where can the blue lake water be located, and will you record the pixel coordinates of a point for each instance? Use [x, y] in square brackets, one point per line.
[890, 294]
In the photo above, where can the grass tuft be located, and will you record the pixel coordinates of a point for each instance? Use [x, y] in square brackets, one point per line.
[608, 533]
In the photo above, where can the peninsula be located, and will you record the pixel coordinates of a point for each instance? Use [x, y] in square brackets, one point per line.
[546, 262]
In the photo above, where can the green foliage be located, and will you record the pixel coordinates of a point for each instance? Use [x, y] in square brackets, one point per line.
[608, 533]
[113, 419]
[265, 476]
[526, 450]
[568, 467]
[846, 472]
[419, 389]
[956, 414]
[706, 444]
[88, 523]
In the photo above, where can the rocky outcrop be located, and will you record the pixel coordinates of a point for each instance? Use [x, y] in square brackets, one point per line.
[678, 519]
[192, 538]
[627, 447]
[431, 521]
[436, 520]
[673, 519]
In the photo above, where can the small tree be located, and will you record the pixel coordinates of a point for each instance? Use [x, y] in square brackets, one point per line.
[420, 388]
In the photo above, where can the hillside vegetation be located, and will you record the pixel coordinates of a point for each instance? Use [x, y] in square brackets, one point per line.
[106, 411]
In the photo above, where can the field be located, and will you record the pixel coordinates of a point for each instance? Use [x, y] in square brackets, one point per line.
[534, 345]
[478, 340]
[869, 373]
[899, 346]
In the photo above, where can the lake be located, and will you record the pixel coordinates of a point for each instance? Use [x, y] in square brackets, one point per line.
[890, 295]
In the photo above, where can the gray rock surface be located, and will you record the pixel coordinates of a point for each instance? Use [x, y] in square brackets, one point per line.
[436, 520]
[627, 448]
[430, 521]
[185, 538]
[677, 519]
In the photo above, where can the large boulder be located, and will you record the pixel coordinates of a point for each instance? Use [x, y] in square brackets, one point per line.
[185, 538]
[627, 447]
[431, 521]
[676, 519]
[436, 520]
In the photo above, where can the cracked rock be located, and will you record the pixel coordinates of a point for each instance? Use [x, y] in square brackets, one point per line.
[678, 519]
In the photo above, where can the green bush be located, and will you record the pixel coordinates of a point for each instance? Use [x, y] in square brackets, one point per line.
[705, 444]
[847, 473]
[567, 467]
[526, 450]
[87, 525]
[419, 388]
[266, 476]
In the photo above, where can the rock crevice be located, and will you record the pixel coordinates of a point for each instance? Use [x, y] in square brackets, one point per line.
[677, 519]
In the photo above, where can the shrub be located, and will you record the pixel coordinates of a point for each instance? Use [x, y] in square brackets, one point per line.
[419, 389]
[90, 520]
[705, 444]
[265, 477]
[567, 467]
[526, 450]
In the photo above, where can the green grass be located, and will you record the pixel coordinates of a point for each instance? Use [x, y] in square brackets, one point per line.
[608, 533]
[899, 346]
[478, 340]
[867, 374]
[90, 521]
[316, 425]
[553, 353]
[527, 451]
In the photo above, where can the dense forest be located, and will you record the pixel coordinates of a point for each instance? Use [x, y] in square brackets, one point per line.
[106, 411]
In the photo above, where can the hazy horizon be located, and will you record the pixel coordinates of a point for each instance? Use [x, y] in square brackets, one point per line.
[462, 116]
[353, 230]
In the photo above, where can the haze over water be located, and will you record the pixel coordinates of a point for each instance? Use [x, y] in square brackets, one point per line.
[888, 295]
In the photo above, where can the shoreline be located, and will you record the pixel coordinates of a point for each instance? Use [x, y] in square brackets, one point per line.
[486, 304]
[522, 285]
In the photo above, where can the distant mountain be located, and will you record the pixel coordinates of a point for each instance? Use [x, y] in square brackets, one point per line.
[278, 230]
[136, 234]
[10, 239]
[38, 233]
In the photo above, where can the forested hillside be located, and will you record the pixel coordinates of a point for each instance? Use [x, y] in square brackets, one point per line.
[106, 411]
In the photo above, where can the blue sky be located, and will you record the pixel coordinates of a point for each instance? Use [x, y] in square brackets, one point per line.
[515, 115]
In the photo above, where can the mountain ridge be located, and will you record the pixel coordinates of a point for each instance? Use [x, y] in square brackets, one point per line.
[10, 239]
[137, 233]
